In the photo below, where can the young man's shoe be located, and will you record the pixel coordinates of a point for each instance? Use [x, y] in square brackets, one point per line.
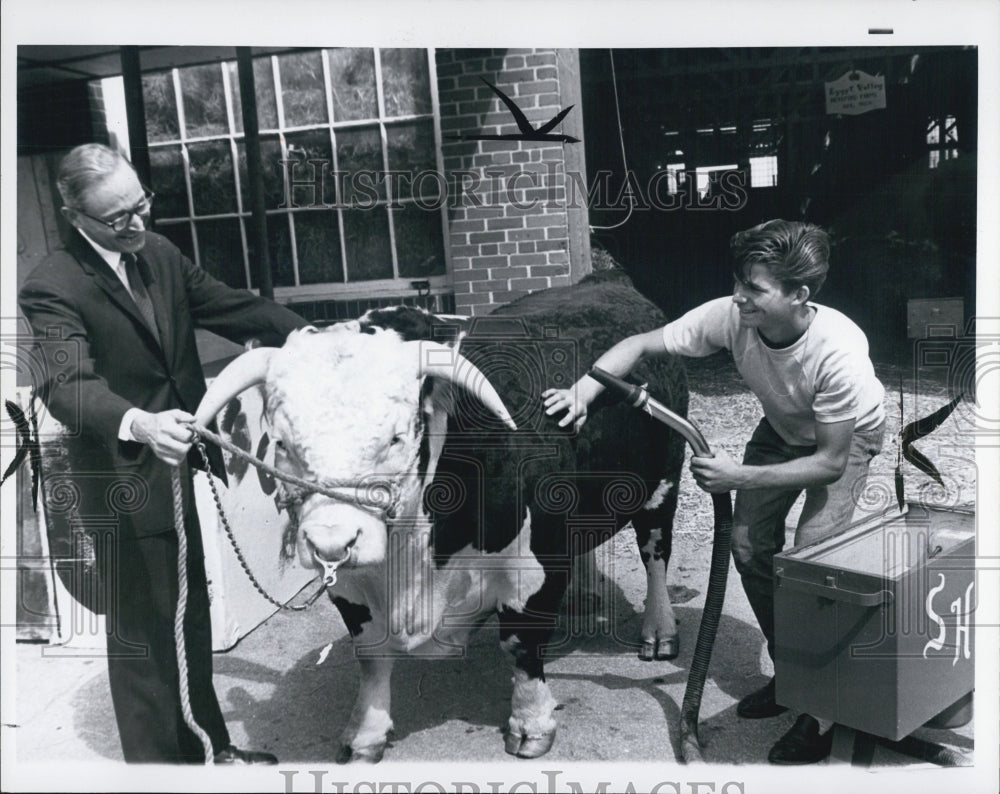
[802, 744]
[760, 704]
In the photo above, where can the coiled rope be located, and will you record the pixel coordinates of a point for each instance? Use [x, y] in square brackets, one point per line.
[182, 597]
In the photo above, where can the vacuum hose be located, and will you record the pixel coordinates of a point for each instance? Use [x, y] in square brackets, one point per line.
[638, 397]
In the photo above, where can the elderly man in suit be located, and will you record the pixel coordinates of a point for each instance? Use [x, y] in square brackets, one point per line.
[113, 316]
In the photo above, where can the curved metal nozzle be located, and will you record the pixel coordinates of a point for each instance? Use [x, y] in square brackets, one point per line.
[638, 397]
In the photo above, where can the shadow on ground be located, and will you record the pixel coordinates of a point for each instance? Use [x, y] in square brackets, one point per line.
[278, 696]
[611, 705]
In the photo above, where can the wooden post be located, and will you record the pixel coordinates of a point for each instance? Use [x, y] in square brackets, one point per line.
[135, 113]
[577, 217]
[255, 188]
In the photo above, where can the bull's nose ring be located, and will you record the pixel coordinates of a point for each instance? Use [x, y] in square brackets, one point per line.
[330, 566]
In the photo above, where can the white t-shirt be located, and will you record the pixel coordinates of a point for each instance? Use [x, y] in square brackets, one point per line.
[824, 376]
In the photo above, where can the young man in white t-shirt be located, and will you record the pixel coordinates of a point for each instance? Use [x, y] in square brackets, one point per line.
[823, 418]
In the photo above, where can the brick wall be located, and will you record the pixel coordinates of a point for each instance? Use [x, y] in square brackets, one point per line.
[511, 232]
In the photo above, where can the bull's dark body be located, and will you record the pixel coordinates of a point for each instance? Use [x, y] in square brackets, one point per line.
[580, 487]
[551, 338]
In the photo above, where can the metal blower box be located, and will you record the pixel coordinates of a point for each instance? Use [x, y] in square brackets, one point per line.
[874, 626]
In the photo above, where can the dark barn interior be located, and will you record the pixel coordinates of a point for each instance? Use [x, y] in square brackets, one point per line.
[895, 187]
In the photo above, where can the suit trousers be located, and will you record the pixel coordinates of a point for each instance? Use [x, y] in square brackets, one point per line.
[759, 514]
[142, 660]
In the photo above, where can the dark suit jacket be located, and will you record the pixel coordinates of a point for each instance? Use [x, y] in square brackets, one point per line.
[97, 359]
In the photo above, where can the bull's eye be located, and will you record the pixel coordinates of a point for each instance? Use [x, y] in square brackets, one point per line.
[396, 439]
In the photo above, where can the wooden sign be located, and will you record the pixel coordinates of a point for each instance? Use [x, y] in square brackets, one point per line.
[854, 93]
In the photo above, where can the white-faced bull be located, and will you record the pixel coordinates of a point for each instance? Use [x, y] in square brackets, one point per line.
[461, 499]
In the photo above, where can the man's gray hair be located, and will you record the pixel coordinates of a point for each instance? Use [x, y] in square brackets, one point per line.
[84, 167]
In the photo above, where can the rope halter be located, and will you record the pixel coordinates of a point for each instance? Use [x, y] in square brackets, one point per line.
[377, 496]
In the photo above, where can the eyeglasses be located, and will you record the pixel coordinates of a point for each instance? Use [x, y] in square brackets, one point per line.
[121, 222]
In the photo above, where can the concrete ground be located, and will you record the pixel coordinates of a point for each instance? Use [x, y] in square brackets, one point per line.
[289, 685]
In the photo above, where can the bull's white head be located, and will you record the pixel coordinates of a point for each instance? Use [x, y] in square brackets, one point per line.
[351, 407]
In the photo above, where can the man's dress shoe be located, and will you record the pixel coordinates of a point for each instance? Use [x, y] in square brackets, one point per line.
[234, 755]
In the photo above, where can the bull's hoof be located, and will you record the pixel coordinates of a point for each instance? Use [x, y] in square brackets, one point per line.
[660, 649]
[365, 755]
[528, 746]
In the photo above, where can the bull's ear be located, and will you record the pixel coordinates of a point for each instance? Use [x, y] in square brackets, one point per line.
[438, 397]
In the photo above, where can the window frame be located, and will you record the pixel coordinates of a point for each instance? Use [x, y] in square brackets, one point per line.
[942, 140]
[345, 289]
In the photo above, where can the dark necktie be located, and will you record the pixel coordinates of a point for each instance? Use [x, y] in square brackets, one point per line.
[139, 293]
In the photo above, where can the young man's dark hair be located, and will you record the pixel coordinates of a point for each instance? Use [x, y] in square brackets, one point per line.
[796, 254]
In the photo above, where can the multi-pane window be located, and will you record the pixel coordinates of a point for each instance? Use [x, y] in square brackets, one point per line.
[763, 154]
[344, 136]
[760, 147]
[942, 140]
[764, 171]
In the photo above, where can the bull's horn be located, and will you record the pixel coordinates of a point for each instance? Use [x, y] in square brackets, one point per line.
[442, 361]
[241, 373]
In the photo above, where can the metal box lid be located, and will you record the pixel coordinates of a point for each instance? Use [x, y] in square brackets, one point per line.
[903, 540]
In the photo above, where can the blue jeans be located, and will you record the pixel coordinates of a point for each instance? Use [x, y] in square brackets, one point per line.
[760, 513]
